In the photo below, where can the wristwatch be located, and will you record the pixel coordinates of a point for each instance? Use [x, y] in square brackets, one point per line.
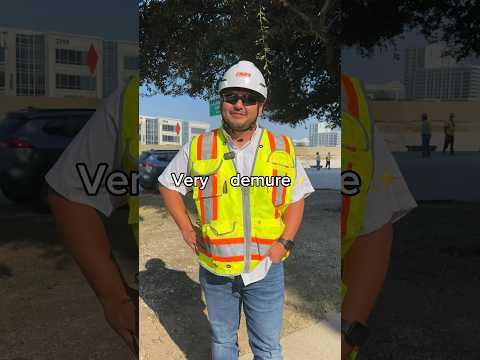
[287, 244]
[355, 333]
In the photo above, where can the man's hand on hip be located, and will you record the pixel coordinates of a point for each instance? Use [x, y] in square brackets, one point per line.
[277, 252]
[122, 315]
[191, 238]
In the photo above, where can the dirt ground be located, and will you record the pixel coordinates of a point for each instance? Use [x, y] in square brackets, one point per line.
[48, 312]
[428, 308]
[172, 311]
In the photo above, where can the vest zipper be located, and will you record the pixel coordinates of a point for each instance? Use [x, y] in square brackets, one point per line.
[247, 223]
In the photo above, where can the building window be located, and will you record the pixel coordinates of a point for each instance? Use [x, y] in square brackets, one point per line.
[151, 126]
[170, 128]
[30, 64]
[196, 131]
[3, 55]
[76, 82]
[71, 57]
[2, 79]
[110, 78]
[170, 138]
[130, 62]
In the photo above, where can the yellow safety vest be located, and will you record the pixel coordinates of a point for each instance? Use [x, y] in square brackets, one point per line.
[357, 156]
[129, 144]
[239, 224]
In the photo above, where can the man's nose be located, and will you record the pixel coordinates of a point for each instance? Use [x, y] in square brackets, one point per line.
[239, 104]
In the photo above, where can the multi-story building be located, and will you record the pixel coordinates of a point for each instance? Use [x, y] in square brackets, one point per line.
[169, 131]
[192, 128]
[393, 90]
[429, 75]
[61, 65]
[321, 135]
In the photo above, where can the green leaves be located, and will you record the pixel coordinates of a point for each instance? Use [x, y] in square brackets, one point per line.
[264, 52]
[187, 45]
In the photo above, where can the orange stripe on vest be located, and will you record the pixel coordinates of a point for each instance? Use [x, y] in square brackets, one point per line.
[345, 209]
[271, 140]
[287, 145]
[352, 100]
[214, 144]
[199, 147]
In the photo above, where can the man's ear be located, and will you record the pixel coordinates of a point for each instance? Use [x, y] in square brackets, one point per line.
[260, 108]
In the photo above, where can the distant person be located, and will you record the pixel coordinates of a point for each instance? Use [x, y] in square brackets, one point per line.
[318, 161]
[449, 130]
[327, 161]
[426, 135]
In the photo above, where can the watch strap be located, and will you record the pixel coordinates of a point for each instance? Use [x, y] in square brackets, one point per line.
[287, 244]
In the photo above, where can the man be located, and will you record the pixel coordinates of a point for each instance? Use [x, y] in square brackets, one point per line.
[327, 161]
[317, 157]
[426, 135]
[449, 130]
[367, 215]
[110, 138]
[245, 231]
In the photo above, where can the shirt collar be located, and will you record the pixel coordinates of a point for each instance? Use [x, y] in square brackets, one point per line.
[253, 139]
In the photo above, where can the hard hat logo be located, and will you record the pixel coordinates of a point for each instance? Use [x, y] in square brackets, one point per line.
[243, 74]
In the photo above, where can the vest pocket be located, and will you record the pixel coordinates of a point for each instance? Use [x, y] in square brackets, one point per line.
[266, 231]
[205, 167]
[280, 159]
[206, 199]
[280, 163]
[219, 228]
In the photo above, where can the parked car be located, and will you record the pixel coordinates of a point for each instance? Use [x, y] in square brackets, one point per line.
[31, 141]
[152, 164]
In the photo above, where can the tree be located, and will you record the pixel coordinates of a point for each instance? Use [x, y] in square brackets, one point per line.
[367, 24]
[186, 45]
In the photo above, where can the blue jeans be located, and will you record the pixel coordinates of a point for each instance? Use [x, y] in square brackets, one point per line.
[263, 307]
[426, 144]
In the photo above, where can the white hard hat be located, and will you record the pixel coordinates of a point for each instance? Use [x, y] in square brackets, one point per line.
[244, 75]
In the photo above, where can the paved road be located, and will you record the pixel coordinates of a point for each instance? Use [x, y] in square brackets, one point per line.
[320, 341]
[324, 179]
[442, 177]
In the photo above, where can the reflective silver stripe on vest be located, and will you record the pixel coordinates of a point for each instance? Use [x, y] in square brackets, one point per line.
[226, 250]
[279, 143]
[260, 249]
[279, 194]
[207, 145]
[280, 146]
[207, 194]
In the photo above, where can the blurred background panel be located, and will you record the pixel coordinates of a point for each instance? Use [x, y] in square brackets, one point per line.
[419, 59]
[58, 61]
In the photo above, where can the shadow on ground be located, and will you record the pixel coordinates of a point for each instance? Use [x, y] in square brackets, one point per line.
[23, 228]
[428, 308]
[177, 303]
[312, 271]
[52, 312]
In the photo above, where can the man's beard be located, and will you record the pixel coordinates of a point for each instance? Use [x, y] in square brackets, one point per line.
[240, 128]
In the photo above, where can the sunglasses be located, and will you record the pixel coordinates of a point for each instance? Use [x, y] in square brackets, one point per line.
[247, 99]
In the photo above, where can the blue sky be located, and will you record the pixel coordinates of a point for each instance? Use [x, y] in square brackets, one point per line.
[110, 19]
[186, 108]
